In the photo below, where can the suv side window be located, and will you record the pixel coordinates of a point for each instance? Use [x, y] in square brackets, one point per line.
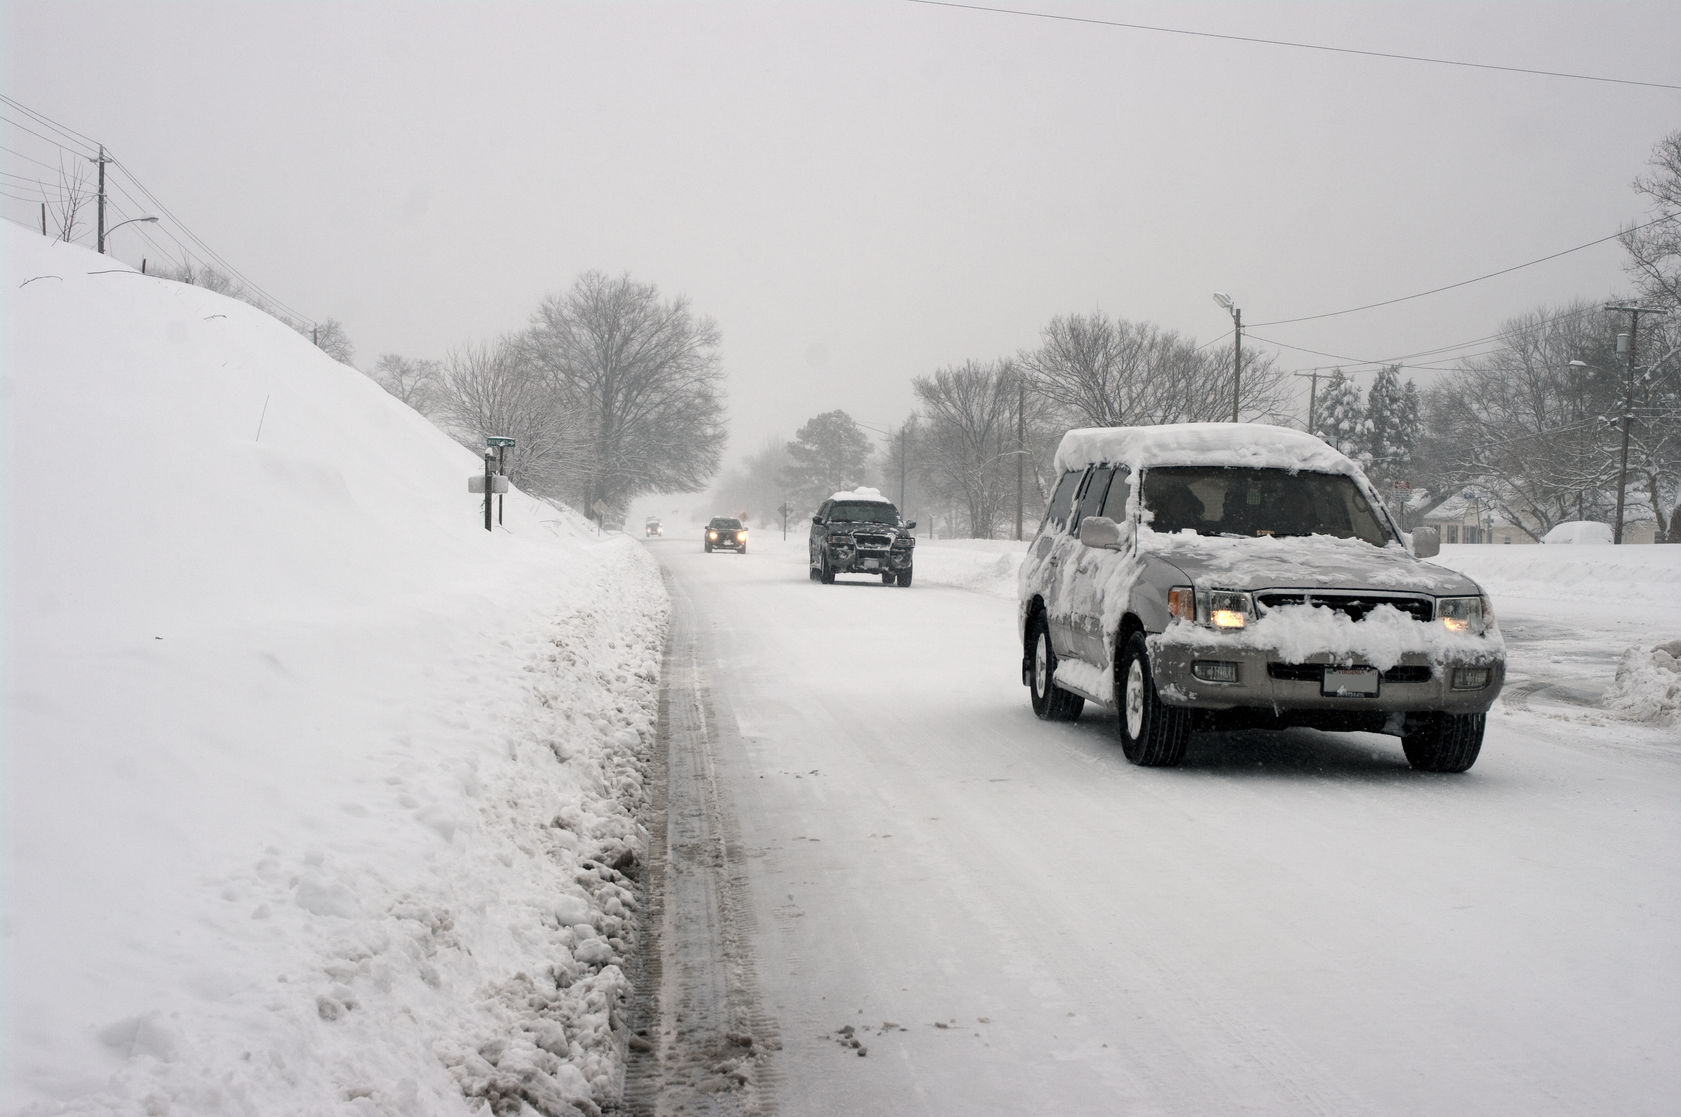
[1061, 508]
[1115, 503]
[823, 511]
[1097, 486]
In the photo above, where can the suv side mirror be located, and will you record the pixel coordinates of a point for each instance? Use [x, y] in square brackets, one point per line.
[1427, 542]
[1100, 531]
[817, 519]
[911, 526]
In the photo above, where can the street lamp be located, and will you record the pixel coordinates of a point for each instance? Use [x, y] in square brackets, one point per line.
[106, 234]
[1224, 300]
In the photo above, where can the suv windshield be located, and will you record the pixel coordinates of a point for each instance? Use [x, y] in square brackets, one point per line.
[725, 522]
[865, 513]
[1236, 501]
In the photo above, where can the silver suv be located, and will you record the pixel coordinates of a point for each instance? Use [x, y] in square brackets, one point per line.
[1218, 576]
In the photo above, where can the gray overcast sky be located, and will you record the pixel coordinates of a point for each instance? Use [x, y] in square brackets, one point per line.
[863, 192]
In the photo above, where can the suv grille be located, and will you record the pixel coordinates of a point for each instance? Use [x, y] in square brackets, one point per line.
[1355, 605]
[868, 542]
[1313, 672]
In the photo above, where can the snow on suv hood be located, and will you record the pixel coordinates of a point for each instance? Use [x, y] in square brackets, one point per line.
[1316, 561]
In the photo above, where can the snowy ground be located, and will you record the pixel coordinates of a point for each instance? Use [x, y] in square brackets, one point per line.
[317, 797]
[954, 908]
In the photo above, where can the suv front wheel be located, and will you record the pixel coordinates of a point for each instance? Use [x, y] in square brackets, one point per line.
[1439, 742]
[1050, 701]
[1153, 735]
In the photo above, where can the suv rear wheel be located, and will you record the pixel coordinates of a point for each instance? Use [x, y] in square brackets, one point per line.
[1444, 742]
[1153, 735]
[1050, 701]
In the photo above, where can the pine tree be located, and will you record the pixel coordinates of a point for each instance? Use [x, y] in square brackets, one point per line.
[1342, 418]
[1390, 442]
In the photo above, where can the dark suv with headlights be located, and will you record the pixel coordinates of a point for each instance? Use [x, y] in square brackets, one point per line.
[860, 532]
[1221, 575]
[725, 533]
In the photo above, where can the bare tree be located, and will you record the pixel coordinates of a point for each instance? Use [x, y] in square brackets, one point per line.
[492, 389]
[970, 442]
[203, 275]
[1119, 373]
[1654, 251]
[643, 379]
[331, 339]
[66, 209]
[1529, 428]
[415, 382]
[756, 486]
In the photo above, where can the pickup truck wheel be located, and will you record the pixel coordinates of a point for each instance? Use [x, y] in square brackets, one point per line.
[1050, 702]
[1153, 735]
[826, 574]
[1444, 742]
[905, 576]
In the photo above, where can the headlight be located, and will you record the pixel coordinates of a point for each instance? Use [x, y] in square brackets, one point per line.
[842, 541]
[712, 535]
[1228, 609]
[1471, 615]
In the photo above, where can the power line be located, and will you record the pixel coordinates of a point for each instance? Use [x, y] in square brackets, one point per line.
[1293, 45]
[1463, 282]
[43, 118]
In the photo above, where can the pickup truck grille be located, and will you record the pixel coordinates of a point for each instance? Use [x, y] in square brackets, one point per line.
[1355, 605]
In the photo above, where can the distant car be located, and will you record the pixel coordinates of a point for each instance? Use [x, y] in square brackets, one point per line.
[725, 533]
[1223, 576]
[652, 526]
[860, 532]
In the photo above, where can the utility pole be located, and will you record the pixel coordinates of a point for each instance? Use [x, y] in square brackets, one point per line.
[904, 454]
[1237, 356]
[1634, 313]
[1312, 400]
[1225, 301]
[101, 161]
[1021, 447]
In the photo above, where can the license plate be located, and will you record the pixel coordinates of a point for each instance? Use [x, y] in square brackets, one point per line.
[872, 564]
[1346, 682]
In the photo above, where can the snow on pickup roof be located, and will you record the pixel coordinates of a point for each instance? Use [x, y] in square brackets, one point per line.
[1256, 445]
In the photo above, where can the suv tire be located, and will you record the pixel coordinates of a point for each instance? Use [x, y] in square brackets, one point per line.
[1050, 702]
[825, 573]
[905, 576]
[1153, 735]
[1444, 742]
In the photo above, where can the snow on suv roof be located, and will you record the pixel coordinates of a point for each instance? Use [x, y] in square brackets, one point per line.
[864, 495]
[1256, 445]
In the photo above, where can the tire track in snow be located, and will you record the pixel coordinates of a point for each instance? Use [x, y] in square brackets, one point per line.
[707, 1039]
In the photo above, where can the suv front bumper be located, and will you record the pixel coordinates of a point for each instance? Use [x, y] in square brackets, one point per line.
[1266, 680]
[847, 559]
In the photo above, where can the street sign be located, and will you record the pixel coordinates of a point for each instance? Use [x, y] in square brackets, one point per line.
[498, 484]
[499, 440]
[600, 509]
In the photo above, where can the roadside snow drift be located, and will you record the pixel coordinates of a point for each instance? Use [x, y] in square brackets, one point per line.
[317, 796]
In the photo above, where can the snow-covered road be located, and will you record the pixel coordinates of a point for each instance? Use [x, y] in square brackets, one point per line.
[1006, 917]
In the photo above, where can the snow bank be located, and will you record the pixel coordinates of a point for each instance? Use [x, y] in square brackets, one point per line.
[1648, 685]
[317, 797]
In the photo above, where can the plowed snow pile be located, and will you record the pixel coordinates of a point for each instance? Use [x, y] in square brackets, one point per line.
[318, 797]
